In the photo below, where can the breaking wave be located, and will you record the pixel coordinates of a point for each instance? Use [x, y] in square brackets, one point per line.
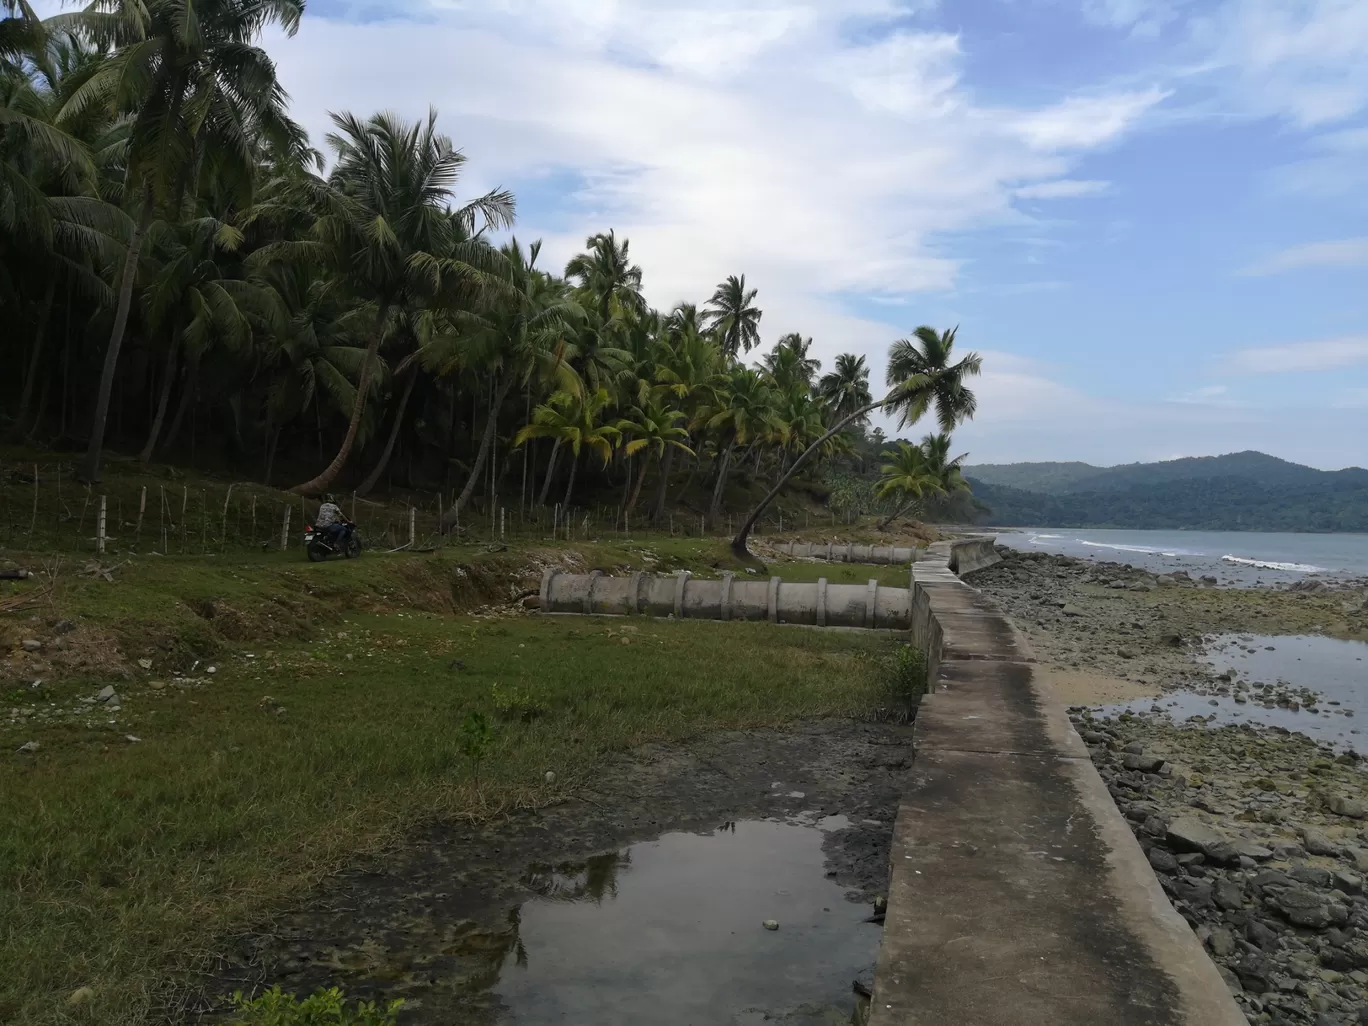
[1268, 564]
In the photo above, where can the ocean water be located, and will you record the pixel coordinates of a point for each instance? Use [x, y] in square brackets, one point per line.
[1232, 557]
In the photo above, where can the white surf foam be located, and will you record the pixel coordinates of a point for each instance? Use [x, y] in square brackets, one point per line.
[1268, 564]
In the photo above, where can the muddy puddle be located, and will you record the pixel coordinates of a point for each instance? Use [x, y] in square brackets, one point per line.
[1313, 685]
[644, 899]
[672, 931]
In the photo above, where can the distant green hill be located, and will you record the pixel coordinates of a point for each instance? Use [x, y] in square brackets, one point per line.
[1245, 491]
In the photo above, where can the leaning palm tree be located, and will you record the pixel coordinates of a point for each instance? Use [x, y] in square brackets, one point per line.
[200, 95]
[734, 318]
[387, 234]
[911, 473]
[919, 377]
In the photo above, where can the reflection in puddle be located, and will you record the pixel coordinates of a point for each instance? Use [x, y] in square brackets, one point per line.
[1337, 671]
[671, 931]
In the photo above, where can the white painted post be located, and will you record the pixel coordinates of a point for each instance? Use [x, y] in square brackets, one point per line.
[100, 528]
[413, 526]
[142, 508]
[503, 524]
[285, 528]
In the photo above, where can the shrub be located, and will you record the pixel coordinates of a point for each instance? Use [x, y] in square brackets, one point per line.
[904, 683]
[322, 1008]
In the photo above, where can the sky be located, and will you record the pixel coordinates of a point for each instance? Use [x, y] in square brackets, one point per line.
[1150, 217]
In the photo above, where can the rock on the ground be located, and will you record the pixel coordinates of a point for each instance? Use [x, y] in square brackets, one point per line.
[1317, 843]
[1190, 834]
[1352, 808]
[29, 747]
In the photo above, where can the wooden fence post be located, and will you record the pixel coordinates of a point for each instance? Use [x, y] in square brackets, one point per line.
[413, 526]
[142, 508]
[285, 528]
[100, 527]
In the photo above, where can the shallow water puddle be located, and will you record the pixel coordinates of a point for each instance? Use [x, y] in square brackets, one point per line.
[671, 931]
[1336, 670]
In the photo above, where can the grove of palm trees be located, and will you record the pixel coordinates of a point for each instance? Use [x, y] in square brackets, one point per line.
[185, 276]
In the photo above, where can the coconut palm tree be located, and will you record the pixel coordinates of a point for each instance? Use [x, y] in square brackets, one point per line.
[924, 376]
[846, 387]
[906, 475]
[200, 96]
[523, 333]
[789, 365]
[651, 429]
[733, 318]
[919, 376]
[690, 363]
[576, 420]
[387, 234]
[606, 279]
[739, 409]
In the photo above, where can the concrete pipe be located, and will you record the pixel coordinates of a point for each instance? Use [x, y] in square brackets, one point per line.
[848, 552]
[818, 603]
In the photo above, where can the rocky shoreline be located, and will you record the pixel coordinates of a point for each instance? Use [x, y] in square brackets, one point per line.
[1259, 839]
[1258, 835]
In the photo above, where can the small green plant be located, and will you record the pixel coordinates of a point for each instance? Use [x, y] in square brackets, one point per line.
[903, 683]
[322, 1008]
[477, 737]
[514, 703]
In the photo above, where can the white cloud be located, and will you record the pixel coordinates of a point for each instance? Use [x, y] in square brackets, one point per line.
[1142, 17]
[1205, 394]
[820, 158]
[1339, 253]
[1064, 188]
[1082, 122]
[1324, 355]
[1303, 59]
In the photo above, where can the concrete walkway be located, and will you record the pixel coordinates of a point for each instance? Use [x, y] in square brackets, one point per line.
[1018, 895]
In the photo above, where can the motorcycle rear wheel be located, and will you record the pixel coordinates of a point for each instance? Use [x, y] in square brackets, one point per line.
[317, 552]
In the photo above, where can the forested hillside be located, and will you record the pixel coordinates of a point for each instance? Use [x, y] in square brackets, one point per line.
[1238, 492]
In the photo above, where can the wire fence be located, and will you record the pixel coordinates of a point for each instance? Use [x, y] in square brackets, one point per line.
[44, 508]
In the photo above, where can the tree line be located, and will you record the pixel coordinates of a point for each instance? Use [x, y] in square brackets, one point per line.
[184, 275]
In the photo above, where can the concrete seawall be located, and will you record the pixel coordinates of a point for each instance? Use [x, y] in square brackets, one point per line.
[965, 555]
[816, 603]
[1018, 896]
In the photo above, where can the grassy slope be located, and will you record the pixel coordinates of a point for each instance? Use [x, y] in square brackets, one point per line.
[120, 861]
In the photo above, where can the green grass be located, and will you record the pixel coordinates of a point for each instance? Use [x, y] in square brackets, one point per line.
[332, 724]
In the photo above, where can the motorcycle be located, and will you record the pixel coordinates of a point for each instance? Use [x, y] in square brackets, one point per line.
[318, 547]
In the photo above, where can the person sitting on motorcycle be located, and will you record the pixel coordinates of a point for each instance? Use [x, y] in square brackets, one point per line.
[331, 521]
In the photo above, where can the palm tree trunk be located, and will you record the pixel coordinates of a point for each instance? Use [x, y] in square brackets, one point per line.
[164, 400]
[35, 358]
[631, 502]
[716, 508]
[491, 424]
[570, 488]
[187, 396]
[550, 472]
[373, 478]
[883, 524]
[738, 543]
[324, 480]
[90, 468]
[663, 490]
[271, 446]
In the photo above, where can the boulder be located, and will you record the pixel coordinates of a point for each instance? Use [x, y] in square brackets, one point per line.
[1192, 835]
[1351, 808]
[1317, 843]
